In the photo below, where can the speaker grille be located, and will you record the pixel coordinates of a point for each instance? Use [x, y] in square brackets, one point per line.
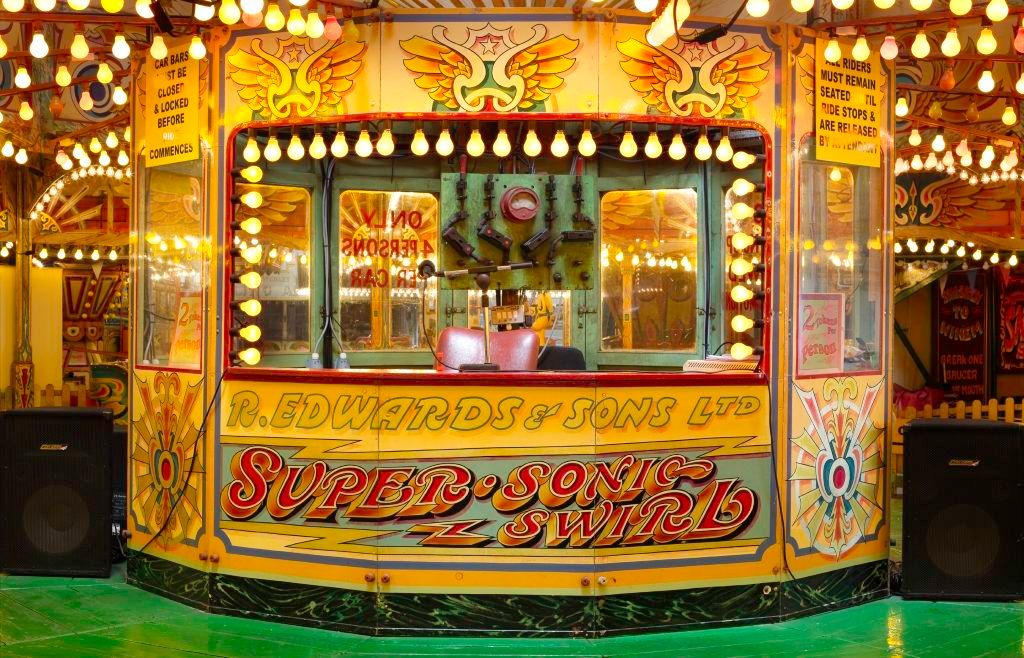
[55, 498]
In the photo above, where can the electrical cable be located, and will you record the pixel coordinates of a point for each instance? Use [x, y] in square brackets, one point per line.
[772, 436]
[423, 326]
[191, 465]
[707, 35]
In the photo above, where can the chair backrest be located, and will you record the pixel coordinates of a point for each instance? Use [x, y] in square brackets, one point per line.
[562, 358]
[510, 350]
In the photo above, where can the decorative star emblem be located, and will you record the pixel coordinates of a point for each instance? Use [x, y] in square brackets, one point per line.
[489, 42]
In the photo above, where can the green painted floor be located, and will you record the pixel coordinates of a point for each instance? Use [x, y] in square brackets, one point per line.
[65, 618]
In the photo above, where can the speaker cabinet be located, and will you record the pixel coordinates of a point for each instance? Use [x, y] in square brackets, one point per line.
[55, 496]
[962, 510]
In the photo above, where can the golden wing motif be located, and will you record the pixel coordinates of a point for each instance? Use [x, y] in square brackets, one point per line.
[651, 69]
[541, 66]
[962, 205]
[805, 74]
[436, 66]
[740, 74]
[260, 77]
[330, 71]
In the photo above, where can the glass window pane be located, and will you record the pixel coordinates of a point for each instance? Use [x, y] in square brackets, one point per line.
[840, 304]
[171, 269]
[384, 235]
[280, 253]
[648, 263]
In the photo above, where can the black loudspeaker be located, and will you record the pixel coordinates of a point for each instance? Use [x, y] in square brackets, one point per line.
[55, 499]
[963, 508]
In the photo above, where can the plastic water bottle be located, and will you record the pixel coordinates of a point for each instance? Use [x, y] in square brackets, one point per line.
[313, 363]
[341, 362]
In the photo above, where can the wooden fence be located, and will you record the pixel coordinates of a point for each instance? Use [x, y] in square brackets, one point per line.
[71, 394]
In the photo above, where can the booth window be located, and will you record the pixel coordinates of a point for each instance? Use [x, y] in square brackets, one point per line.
[648, 270]
[840, 304]
[171, 295]
[280, 252]
[384, 235]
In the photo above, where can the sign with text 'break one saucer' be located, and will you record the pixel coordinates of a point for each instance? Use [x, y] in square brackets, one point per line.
[172, 115]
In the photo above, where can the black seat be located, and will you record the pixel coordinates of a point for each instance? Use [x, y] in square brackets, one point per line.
[561, 358]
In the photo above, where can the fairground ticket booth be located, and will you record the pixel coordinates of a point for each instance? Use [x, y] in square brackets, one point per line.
[511, 322]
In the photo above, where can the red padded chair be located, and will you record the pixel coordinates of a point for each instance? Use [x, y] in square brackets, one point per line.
[511, 350]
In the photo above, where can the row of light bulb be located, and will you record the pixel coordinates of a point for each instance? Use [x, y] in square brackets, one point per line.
[949, 247]
[251, 13]
[950, 46]
[109, 6]
[252, 254]
[1006, 173]
[995, 10]
[740, 267]
[501, 147]
[78, 253]
[79, 152]
[1008, 117]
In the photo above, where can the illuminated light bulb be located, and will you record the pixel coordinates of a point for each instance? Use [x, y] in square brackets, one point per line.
[902, 109]
[741, 241]
[741, 351]
[251, 152]
[78, 254]
[295, 149]
[960, 7]
[915, 138]
[742, 159]
[994, 258]
[386, 143]
[78, 5]
[112, 6]
[22, 79]
[3, 47]
[912, 246]
[251, 6]
[950, 46]
[86, 102]
[587, 146]
[21, 157]
[931, 162]
[741, 211]
[420, 145]
[889, 48]
[832, 51]
[158, 49]
[977, 254]
[531, 145]
[196, 48]
[628, 147]
[144, 8]
[252, 173]
[703, 148]
[112, 254]
[741, 267]
[559, 145]
[652, 148]
[250, 333]
[1009, 116]
[802, 6]
[1018, 38]
[229, 13]
[916, 164]
[339, 147]
[1012, 260]
[251, 280]
[502, 147]
[63, 77]
[45, 5]
[104, 159]
[677, 149]
[742, 187]
[724, 151]
[103, 73]
[314, 26]
[939, 142]
[272, 151]
[249, 356]
[43, 254]
[475, 146]
[252, 254]
[635, 260]
[445, 146]
[920, 5]
[986, 43]
[997, 10]
[25, 112]
[61, 254]
[741, 324]
[79, 46]
[757, 8]
[38, 48]
[122, 158]
[920, 48]
[668, 22]
[835, 175]
[645, 6]
[944, 248]
[947, 159]
[252, 199]
[930, 246]
[296, 26]
[250, 307]
[317, 148]
[95, 255]
[251, 225]
[274, 20]
[119, 96]
[332, 28]
[986, 82]
[364, 147]
[861, 51]
[740, 293]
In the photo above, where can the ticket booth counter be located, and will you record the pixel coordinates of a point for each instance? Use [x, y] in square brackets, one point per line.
[707, 449]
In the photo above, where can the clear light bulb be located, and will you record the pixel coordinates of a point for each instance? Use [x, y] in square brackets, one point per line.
[144, 8]
[252, 199]
[742, 187]
[38, 48]
[22, 79]
[317, 148]
[158, 49]
[475, 146]
[531, 145]
[861, 51]
[251, 280]
[950, 46]
[628, 147]
[295, 149]
[229, 13]
[997, 10]
[339, 147]
[420, 145]
[252, 173]
[742, 159]
[724, 150]
[502, 147]
[196, 48]
[251, 307]
[653, 148]
[921, 47]
[111, 139]
[21, 157]
[740, 293]
[274, 19]
[249, 356]
[445, 146]
[122, 158]
[251, 152]
[251, 225]
[272, 151]
[119, 95]
[386, 143]
[587, 146]
[364, 147]
[677, 149]
[938, 142]
[832, 51]
[703, 148]
[741, 324]
[559, 145]
[986, 82]
[757, 8]
[250, 333]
